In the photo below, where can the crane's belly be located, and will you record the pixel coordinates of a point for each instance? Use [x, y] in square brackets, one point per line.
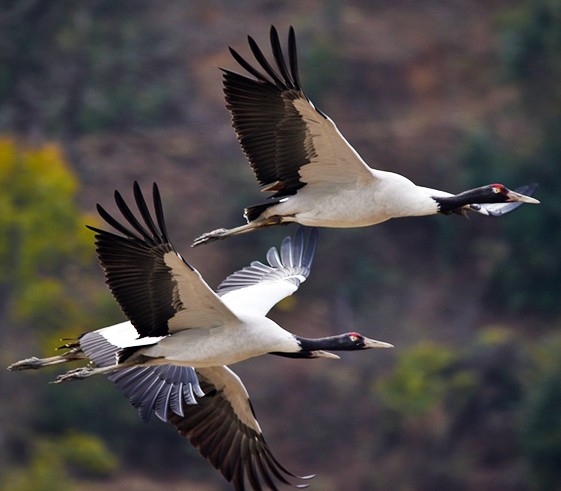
[220, 345]
[197, 350]
[346, 208]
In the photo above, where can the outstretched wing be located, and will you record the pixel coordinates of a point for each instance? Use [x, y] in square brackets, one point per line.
[258, 287]
[156, 288]
[222, 426]
[210, 407]
[289, 143]
[151, 390]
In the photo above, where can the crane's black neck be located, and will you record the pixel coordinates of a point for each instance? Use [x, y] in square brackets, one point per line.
[454, 204]
[309, 346]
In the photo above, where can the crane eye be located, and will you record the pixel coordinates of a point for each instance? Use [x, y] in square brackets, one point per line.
[354, 337]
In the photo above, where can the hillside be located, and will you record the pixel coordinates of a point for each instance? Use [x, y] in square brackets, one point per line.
[449, 94]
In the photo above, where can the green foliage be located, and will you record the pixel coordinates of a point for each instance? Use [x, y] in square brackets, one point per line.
[55, 461]
[540, 422]
[43, 241]
[521, 273]
[46, 258]
[37, 206]
[531, 56]
[95, 65]
[423, 376]
[449, 413]
[526, 267]
[87, 453]
[532, 46]
[29, 179]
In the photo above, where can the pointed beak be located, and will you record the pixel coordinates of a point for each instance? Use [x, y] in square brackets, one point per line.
[324, 354]
[372, 343]
[513, 196]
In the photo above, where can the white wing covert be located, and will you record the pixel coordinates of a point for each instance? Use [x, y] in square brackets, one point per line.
[258, 287]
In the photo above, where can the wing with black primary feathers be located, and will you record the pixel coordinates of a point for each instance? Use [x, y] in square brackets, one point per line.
[263, 116]
[287, 140]
[222, 426]
[156, 288]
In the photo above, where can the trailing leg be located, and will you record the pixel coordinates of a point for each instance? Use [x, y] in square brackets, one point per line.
[88, 371]
[34, 363]
[223, 233]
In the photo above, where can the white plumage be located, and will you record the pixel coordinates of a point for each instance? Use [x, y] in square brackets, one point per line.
[316, 177]
[170, 358]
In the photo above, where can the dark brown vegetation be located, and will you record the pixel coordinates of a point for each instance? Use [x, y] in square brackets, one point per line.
[96, 94]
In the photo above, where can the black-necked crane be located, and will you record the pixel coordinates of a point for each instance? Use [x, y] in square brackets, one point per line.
[318, 179]
[170, 358]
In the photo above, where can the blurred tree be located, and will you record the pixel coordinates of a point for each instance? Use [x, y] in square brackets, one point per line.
[56, 461]
[447, 418]
[51, 288]
[41, 229]
[73, 67]
[46, 284]
[451, 415]
[421, 379]
[531, 56]
[540, 419]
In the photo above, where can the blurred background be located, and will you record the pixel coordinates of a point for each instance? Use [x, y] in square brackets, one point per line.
[97, 94]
